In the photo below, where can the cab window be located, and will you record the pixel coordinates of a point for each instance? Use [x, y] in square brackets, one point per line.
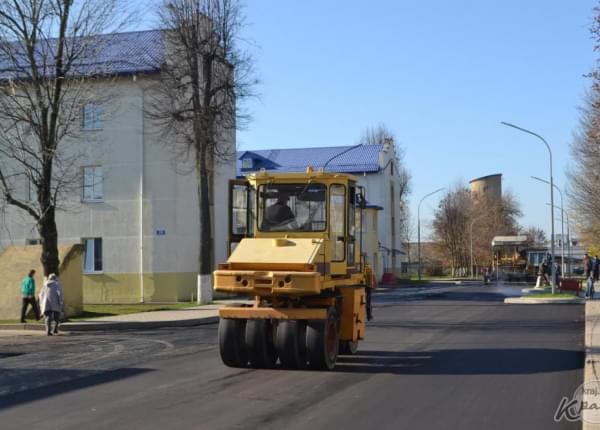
[292, 207]
[337, 217]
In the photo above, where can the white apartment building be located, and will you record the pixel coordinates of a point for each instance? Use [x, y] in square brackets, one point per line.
[136, 212]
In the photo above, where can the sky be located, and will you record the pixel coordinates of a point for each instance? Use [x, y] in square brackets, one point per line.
[440, 74]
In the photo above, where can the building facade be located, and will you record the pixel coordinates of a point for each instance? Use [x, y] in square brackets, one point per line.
[376, 168]
[136, 212]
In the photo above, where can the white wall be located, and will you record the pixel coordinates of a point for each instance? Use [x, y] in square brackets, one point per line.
[169, 200]
[378, 192]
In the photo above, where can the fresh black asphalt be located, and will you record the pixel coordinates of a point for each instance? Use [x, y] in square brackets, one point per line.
[458, 358]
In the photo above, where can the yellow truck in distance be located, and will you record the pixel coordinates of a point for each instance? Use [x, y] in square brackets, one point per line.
[295, 243]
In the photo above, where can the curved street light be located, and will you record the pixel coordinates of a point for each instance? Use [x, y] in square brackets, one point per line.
[562, 223]
[419, 227]
[524, 130]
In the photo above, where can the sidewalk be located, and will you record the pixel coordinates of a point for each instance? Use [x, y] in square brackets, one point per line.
[592, 363]
[206, 314]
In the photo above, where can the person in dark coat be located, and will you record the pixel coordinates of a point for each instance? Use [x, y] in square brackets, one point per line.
[587, 266]
[596, 267]
[279, 212]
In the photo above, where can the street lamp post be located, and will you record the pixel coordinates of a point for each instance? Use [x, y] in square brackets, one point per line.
[471, 237]
[569, 245]
[563, 214]
[551, 195]
[419, 228]
[562, 222]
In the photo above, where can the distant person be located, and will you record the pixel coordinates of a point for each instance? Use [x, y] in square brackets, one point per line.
[587, 266]
[28, 296]
[279, 212]
[557, 274]
[596, 267]
[52, 303]
[542, 277]
[589, 292]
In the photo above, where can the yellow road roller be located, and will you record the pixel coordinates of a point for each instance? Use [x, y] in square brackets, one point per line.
[295, 251]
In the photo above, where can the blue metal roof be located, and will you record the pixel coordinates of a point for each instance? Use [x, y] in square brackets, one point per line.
[109, 54]
[361, 159]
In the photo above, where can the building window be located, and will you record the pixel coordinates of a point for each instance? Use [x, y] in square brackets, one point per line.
[92, 183]
[31, 192]
[92, 261]
[91, 116]
[247, 163]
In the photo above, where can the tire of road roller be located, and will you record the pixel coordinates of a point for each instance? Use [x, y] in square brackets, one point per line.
[232, 345]
[322, 342]
[348, 347]
[259, 344]
[290, 343]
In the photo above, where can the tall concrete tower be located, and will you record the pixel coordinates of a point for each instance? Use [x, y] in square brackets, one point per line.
[489, 186]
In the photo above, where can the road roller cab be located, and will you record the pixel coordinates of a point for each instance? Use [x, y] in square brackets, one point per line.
[295, 249]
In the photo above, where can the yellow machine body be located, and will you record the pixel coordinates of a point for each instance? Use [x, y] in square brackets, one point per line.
[308, 267]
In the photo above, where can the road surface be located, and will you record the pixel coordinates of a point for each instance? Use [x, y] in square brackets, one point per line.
[456, 358]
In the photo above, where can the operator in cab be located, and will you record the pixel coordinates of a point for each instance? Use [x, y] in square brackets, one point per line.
[279, 212]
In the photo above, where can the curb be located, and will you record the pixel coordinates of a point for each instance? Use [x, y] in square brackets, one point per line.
[592, 356]
[115, 325]
[542, 301]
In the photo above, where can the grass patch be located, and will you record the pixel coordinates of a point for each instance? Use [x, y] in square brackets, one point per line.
[15, 321]
[96, 311]
[553, 296]
[406, 281]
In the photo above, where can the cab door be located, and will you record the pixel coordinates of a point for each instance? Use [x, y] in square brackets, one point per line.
[240, 212]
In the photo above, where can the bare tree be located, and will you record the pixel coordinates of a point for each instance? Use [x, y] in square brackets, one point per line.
[583, 178]
[462, 217]
[536, 237]
[203, 79]
[48, 65]
[584, 181]
[381, 135]
[451, 226]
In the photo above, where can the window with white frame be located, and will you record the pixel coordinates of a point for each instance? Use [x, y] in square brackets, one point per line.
[31, 191]
[91, 116]
[92, 183]
[92, 260]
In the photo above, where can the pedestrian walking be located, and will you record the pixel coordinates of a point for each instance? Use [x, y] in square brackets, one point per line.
[589, 293]
[52, 302]
[587, 266]
[28, 296]
[557, 274]
[542, 278]
[596, 267]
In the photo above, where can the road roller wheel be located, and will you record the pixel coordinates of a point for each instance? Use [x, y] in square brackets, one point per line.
[322, 341]
[290, 344]
[348, 347]
[259, 344]
[232, 345]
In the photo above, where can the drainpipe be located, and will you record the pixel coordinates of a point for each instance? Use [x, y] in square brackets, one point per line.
[141, 196]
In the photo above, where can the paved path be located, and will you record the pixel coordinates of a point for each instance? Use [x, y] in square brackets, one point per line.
[458, 358]
[190, 316]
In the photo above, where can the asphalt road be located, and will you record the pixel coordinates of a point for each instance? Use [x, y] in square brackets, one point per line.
[454, 359]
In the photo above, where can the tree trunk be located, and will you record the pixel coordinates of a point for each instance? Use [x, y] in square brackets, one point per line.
[49, 239]
[205, 257]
